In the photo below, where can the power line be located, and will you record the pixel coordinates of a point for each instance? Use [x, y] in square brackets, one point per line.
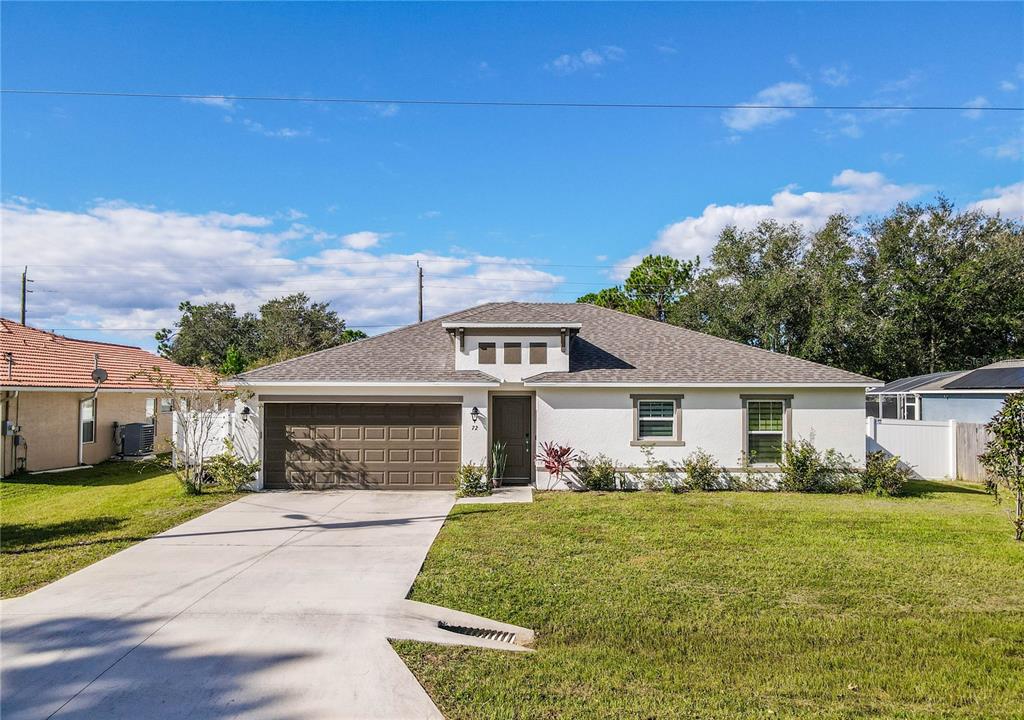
[495, 103]
[311, 263]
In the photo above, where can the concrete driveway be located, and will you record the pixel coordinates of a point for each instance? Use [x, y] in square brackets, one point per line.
[279, 605]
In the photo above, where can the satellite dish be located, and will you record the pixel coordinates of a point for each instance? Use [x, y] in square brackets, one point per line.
[99, 375]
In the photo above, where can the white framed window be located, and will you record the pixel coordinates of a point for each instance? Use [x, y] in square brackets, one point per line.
[765, 428]
[87, 420]
[656, 419]
[910, 407]
[150, 407]
[166, 405]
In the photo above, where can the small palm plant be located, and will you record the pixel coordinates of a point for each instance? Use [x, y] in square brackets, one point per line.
[499, 457]
[557, 459]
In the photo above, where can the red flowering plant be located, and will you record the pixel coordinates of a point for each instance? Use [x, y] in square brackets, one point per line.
[557, 459]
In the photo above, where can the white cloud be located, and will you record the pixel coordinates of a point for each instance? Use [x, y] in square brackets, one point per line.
[855, 193]
[903, 84]
[431, 214]
[362, 240]
[1012, 149]
[781, 94]
[666, 49]
[385, 109]
[589, 59]
[976, 103]
[222, 103]
[1008, 201]
[1007, 85]
[285, 132]
[836, 75]
[122, 266]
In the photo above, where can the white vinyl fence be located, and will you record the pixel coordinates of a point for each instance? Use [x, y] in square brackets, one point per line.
[933, 450]
[210, 431]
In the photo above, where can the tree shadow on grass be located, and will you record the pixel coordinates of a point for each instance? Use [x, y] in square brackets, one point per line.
[926, 488]
[33, 537]
[96, 667]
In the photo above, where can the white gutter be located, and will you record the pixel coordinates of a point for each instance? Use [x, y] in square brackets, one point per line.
[962, 391]
[330, 383]
[527, 383]
[451, 325]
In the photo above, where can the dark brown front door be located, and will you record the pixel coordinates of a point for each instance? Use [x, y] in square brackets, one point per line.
[512, 427]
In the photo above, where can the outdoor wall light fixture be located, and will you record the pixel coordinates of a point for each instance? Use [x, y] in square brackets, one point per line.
[475, 414]
[246, 412]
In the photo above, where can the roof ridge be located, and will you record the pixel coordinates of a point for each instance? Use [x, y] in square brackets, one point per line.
[58, 336]
[687, 330]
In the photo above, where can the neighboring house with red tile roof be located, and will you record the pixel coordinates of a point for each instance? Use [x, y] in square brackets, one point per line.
[66, 418]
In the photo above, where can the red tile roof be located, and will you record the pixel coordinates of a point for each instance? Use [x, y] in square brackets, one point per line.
[44, 359]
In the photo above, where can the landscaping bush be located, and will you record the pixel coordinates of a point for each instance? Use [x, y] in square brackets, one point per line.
[230, 470]
[557, 460]
[653, 474]
[704, 473]
[470, 481]
[803, 468]
[885, 475]
[595, 473]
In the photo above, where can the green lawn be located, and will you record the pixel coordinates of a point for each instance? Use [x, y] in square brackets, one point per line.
[733, 605]
[54, 524]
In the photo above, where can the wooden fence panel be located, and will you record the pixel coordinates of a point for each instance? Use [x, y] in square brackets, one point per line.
[971, 439]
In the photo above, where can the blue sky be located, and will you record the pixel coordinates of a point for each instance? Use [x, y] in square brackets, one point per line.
[123, 207]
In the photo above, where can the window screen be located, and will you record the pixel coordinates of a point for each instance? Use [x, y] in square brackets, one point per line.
[89, 420]
[656, 419]
[764, 430]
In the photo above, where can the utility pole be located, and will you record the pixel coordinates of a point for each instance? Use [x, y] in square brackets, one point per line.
[419, 269]
[24, 292]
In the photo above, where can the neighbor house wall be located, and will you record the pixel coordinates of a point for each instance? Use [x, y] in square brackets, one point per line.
[50, 426]
[976, 408]
[600, 420]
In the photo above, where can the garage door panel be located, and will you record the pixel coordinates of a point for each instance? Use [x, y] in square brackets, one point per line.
[323, 445]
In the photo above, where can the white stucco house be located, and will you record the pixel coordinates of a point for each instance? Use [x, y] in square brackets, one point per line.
[403, 409]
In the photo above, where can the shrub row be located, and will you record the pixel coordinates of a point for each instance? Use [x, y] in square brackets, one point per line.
[803, 468]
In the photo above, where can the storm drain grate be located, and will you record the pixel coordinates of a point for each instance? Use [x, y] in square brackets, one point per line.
[485, 633]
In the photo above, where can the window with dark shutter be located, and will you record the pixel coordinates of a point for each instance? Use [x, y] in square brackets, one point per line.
[487, 354]
[513, 353]
[538, 353]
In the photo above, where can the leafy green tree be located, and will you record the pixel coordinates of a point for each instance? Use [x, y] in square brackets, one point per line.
[233, 363]
[203, 334]
[1004, 457]
[754, 291]
[294, 325]
[943, 288]
[349, 335]
[652, 288]
[657, 284]
[612, 298]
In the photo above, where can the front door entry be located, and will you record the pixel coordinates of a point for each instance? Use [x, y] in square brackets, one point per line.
[512, 415]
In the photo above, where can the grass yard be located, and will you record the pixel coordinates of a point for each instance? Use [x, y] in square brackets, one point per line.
[733, 605]
[54, 524]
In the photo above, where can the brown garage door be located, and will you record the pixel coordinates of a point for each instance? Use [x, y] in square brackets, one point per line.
[407, 446]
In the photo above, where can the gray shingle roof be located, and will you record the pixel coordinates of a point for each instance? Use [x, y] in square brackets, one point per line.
[611, 347]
